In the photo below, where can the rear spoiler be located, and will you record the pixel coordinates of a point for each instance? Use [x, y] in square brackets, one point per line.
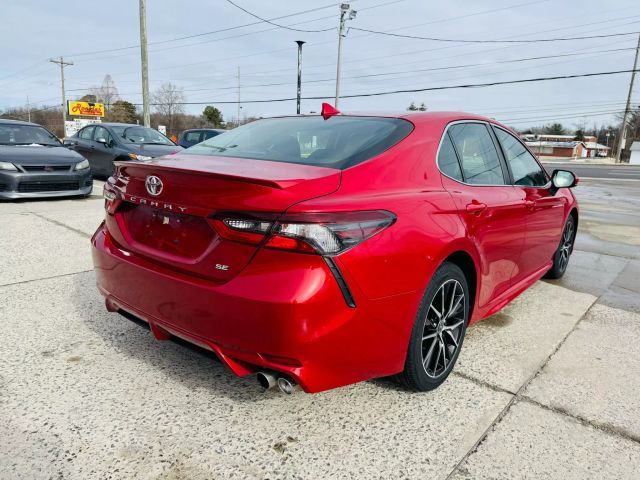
[121, 169]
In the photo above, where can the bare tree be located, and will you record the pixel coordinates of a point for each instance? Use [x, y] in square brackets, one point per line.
[168, 103]
[106, 93]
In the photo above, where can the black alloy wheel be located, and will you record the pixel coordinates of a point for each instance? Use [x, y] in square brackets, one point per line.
[439, 330]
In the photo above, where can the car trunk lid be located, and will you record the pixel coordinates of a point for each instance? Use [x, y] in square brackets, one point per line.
[174, 226]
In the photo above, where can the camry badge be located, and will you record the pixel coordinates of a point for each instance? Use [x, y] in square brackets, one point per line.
[154, 185]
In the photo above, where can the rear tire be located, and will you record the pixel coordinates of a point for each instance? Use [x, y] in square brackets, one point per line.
[563, 253]
[438, 330]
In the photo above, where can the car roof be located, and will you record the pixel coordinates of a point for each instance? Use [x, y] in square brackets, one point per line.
[17, 122]
[418, 118]
[118, 124]
[206, 129]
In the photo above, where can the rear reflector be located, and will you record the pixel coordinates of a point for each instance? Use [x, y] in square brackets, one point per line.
[323, 233]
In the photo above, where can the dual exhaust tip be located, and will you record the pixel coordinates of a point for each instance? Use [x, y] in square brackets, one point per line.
[269, 380]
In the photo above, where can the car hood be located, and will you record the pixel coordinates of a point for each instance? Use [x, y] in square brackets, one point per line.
[154, 150]
[38, 154]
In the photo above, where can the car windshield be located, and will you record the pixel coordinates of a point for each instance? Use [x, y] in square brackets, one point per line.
[16, 134]
[141, 135]
[338, 142]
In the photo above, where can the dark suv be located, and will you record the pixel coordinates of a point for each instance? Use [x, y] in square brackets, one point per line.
[104, 143]
[190, 137]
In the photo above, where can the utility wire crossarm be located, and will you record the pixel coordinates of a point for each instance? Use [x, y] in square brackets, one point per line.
[63, 63]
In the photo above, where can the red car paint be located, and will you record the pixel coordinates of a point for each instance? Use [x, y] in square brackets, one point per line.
[170, 260]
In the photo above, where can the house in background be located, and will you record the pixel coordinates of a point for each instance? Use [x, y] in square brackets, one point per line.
[565, 146]
[595, 149]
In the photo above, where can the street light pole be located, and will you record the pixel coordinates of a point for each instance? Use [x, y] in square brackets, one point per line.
[144, 58]
[299, 93]
[344, 9]
[63, 64]
[623, 128]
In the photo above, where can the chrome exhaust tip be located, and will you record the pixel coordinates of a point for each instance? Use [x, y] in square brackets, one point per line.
[266, 380]
[286, 385]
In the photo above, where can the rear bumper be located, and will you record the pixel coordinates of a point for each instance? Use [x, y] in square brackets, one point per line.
[282, 312]
[17, 185]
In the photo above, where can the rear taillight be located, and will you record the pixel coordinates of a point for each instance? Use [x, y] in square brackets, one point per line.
[323, 233]
[110, 197]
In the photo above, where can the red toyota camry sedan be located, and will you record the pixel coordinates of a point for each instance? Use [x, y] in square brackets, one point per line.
[323, 250]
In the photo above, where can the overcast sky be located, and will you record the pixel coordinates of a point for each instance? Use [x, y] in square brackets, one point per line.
[205, 66]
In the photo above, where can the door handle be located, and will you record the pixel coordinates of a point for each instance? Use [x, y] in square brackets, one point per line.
[529, 204]
[476, 208]
[92, 147]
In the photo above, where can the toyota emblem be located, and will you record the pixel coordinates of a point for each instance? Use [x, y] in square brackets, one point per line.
[154, 185]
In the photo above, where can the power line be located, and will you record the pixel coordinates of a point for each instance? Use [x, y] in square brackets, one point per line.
[549, 108]
[202, 34]
[425, 89]
[565, 117]
[451, 40]
[474, 14]
[31, 67]
[323, 80]
[276, 24]
[234, 59]
[17, 115]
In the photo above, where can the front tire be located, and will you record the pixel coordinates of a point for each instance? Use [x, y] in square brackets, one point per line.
[561, 257]
[438, 331]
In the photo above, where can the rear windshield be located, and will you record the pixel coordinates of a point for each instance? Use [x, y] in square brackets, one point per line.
[339, 142]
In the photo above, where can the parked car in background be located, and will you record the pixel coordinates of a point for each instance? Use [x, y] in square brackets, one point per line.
[190, 137]
[326, 250]
[102, 144]
[34, 164]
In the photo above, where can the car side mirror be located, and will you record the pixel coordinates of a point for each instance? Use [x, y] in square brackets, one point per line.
[102, 141]
[563, 179]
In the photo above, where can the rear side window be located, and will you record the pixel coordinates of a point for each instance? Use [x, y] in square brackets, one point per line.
[86, 133]
[193, 137]
[102, 132]
[338, 142]
[478, 154]
[524, 168]
[448, 161]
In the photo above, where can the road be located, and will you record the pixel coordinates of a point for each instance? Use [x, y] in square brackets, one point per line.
[597, 171]
[547, 388]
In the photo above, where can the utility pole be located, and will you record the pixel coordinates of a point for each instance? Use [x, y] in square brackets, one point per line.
[146, 116]
[63, 64]
[239, 106]
[28, 109]
[344, 9]
[299, 94]
[623, 129]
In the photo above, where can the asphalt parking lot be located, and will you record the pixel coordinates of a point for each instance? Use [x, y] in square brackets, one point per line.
[548, 388]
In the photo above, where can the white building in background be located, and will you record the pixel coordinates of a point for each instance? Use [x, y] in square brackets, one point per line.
[635, 153]
[565, 146]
